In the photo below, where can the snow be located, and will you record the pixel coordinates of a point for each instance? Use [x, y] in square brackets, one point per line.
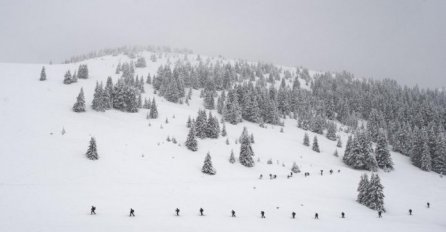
[47, 184]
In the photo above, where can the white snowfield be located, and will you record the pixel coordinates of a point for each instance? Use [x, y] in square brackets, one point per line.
[47, 184]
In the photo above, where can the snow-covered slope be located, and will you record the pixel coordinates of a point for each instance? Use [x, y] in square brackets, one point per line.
[47, 184]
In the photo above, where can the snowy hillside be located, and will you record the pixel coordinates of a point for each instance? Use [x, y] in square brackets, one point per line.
[47, 184]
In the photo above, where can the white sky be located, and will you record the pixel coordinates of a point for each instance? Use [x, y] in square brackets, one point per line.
[400, 39]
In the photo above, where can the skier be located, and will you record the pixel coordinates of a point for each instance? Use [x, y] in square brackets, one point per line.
[177, 211]
[342, 215]
[262, 213]
[331, 171]
[410, 211]
[380, 214]
[93, 210]
[316, 216]
[201, 211]
[293, 214]
[261, 176]
[291, 174]
[132, 212]
[322, 172]
[428, 205]
[233, 213]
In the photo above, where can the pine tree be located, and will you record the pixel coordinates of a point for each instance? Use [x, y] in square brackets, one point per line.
[67, 78]
[231, 157]
[92, 152]
[331, 133]
[232, 111]
[315, 145]
[212, 127]
[191, 141]
[149, 79]
[295, 168]
[439, 162]
[223, 130]
[43, 74]
[83, 71]
[426, 160]
[306, 140]
[375, 196]
[153, 109]
[246, 152]
[382, 152]
[335, 154]
[189, 122]
[201, 124]
[207, 166]
[79, 106]
[362, 189]
[251, 138]
[98, 98]
[209, 102]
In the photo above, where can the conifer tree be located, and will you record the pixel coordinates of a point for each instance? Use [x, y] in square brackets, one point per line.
[207, 166]
[375, 196]
[362, 189]
[153, 109]
[209, 102]
[92, 152]
[67, 78]
[223, 130]
[189, 122]
[439, 161]
[79, 106]
[315, 145]
[425, 159]
[201, 124]
[331, 133]
[149, 79]
[231, 157]
[43, 74]
[246, 152]
[382, 152]
[212, 127]
[295, 168]
[82, 71]
[98, 98]
[306, 140]
[191, 141]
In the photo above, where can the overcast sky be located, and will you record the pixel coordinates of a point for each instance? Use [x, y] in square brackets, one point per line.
[403, 40]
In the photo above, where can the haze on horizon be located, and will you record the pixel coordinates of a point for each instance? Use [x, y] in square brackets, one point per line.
[402, 39]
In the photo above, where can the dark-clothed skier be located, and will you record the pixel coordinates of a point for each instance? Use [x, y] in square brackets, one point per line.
[233, 213]
[380, 214]
[410, 211]
[316, 216]
[428, 205]
[293, 214]
[132, 212]
[177, 211]
[201, 211]
[343, 215]
[93, 209]
[262, 213]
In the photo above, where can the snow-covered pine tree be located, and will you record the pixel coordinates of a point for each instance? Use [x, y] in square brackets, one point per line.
[232, 157]
[149, 79]
[223, 130]
[201, 124]
[251, 138]
[98, 100]
[92, 152]
[306, 140]
[82, 72]
[221, 102]
[331, 132]
[43, 74]
[418, 146]
[231, 111]
[246, 152]
[191, 141]
[189, 122]
[382, 152]
[426, 160]
[362, 189]
[375, 195]
[315, 145]
[208, 100]
[79, 106]
[295, 168]
[153, 109]
[67, 78]
[207, 166]
[439, 162]
[212, 127]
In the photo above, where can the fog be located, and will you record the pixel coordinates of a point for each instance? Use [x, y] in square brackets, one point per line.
[403, 40]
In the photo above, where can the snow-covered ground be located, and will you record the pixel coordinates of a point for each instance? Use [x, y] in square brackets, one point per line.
[47, 184]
